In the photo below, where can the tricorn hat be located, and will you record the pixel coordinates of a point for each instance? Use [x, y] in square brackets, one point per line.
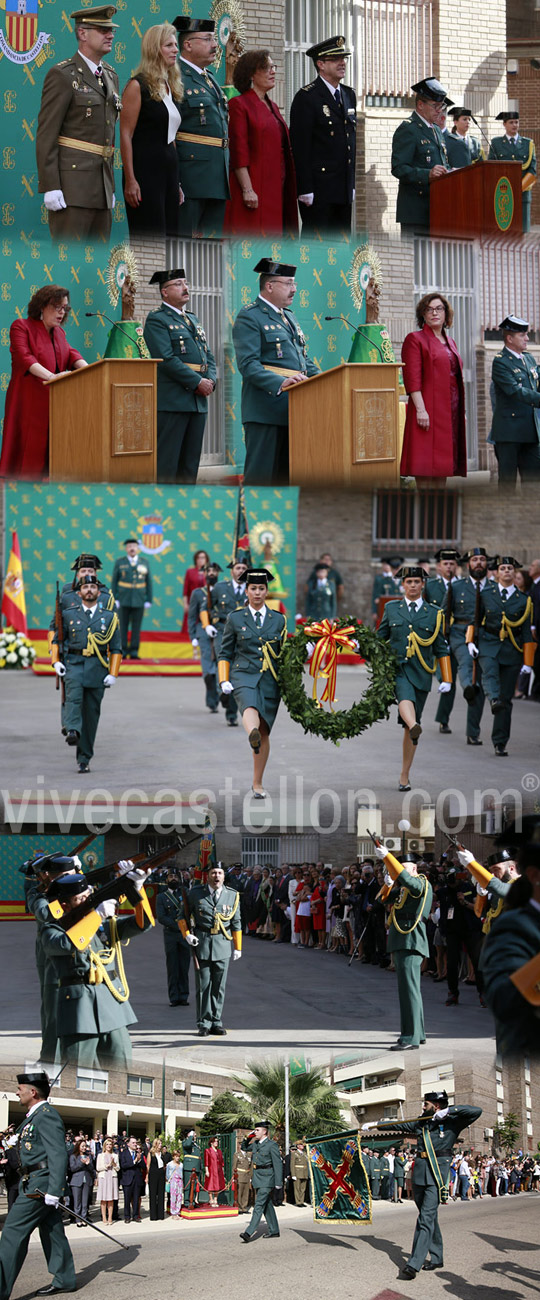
[266, 267]
[430, 88]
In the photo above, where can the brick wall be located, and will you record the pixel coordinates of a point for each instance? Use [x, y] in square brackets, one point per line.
[524, 89]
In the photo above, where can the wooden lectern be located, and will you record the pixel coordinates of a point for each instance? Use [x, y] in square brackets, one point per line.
[483, 199]
[102, 423]
[344, 428]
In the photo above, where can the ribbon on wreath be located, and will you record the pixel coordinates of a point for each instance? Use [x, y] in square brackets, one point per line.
[331, 639]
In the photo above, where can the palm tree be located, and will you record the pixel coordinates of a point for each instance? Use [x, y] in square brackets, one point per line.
[313, 1106]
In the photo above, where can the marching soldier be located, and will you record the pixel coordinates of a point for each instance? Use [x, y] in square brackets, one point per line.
[193, 1167]
[39, 873]
[217, 934]
[132, 590]
[462, 148]
[242, 1167]
[43, 1155]
[198, 605]
[466, 594]
[186, 377]
[227, 596]
[515, 430]
[513, 147]
[414, 630]
[504, 646]
[80, 104]
[419, 156]
[271, 355]
[510, 961]
[436, 1131]
[92, 653]
[323, 139]
[440, 591]
[267, 1176]
[299, 1163]
[202, 141]
[411, 901]
[169, 910]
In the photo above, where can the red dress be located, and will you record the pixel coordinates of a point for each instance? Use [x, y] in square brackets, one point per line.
[194, 578]
[434, 368]
[213, 1162]
[25, 445]
[259, 140]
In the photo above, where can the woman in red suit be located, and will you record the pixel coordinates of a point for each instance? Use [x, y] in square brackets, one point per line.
[262, 176]
[434, 445]
[195, 577]
[214, 1178]
[40, 352]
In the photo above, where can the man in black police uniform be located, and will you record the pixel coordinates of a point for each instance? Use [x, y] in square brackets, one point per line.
[323, 138]
[436, 1130]
[515, 431]
[419, 156]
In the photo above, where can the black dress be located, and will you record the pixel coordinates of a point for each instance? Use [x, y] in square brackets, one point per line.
[155, 164]
[156, 1188]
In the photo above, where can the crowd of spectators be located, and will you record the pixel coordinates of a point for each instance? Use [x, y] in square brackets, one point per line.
[472, 1175]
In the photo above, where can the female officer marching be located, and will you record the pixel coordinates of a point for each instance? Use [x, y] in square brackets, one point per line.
[252, 643]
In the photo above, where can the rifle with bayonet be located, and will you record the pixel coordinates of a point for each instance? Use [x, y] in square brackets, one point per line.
[476, 629]
[82, 922]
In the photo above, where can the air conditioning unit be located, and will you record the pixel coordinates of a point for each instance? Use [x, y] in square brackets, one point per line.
[360, 1110]
[373, 1082]
[178, 1085]
[416, 846]
[393, 843]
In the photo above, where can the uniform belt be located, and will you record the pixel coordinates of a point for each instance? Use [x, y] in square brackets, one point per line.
[280, 370]
[131, 584]
[29, 1169]
[104, 150]
[192, 365]
[217, 141]
[67, 980]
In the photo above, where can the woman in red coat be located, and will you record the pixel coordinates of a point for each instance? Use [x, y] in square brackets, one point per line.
[40, 351]
[434, 445]
[214, 1178]
[262, 176]
[195, 577]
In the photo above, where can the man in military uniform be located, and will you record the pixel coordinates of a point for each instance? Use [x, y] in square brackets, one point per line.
[187, 376]
[271, 355]
[39, 873]
[407, 941]
[436, 1131]
[414, 630]
[132, 590]
[466, 607]
[217, 933]
[193, 1167]
[42, 1147]
[169, 909]
[227, 596]
[513, 147]
[202, 140]
[462, 148]
[299, 1162]
[242, 1167]
[384, 583]
[92, 654]
[439, 591]
[375, 1174]
[321, 596]
[419, 155]
[399, 1177]
[515, 431]
[197, 631]
[323, 139]
[267, 1176]
[75, 135]
[510, 961]
[504, 646]
[494, 880]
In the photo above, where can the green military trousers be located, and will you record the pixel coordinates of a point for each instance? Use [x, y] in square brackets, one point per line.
[96, 1050]
[210, 985]
[264, 1205]
[408, 970]
[82, 711]
[427, 1238]
[25, 1215]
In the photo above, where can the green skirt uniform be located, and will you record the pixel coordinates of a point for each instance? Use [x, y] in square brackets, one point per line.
[252, 653]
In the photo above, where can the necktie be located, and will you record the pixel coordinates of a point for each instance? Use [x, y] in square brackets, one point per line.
[89, 613]
[337, 97]
[448, 609]
[412, 607]
[258, 618]
[504, 594]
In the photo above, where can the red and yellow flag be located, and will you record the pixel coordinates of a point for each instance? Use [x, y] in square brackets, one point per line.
[13, 602]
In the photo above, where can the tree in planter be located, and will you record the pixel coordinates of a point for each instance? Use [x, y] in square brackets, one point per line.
[313, 1105]
[506, 1135]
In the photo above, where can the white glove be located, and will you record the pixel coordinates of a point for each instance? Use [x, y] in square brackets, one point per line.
[473, 651]
[444, 687]
[480, 890]
[138, 876]
[106, 909]
[117, 603]
[211, 631]
[306, 198]
[54, 200]
[109, 680]
[310, 648]
[526, 669]
[60, 670]
[366, 1126]
[388, 880]
[237, 956]
[52, 1200]
[355, 646]
[194, 642]
[113, 205]
[124, 866]
[192, 940]
[227, 688]
[380, 851]
[147, 604]
[465, 857]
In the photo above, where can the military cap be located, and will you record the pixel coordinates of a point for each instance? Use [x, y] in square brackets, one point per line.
[90, 581]
[185, 24]
[437, 1097]
[255, 576]
[212, 564]
[98, 16]
[510, 115]
[514, 324]
[241, 557]
[266, 267]
[423, 559]
[48, 862]
[131, 539]
[67, 886]
[320, 566]
[470, 554]
[332, 48]
[411, 571]
[261, 1123]
[165, 277]
[504, 855]
[506, 559]
[430, 88]
[85, 561]
[446, 553]
[456, 112]
[395, 561]
[36, 1079]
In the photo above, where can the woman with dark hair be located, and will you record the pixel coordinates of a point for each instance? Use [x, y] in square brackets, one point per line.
[149, 121]
[40, 352]
[81, 1178]
[434, 444]
[214, 1177]
[262, 176]
[195, 577]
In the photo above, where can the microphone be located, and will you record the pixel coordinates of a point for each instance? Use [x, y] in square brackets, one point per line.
[481, 130]
[111, 322]
[357, 329]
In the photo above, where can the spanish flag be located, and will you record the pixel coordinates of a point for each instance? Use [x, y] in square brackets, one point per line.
[13, 602]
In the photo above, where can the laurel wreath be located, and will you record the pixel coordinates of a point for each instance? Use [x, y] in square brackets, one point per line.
[342, 724]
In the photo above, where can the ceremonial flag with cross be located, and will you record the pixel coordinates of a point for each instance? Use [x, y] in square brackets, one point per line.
[241, 532]
[207, 852]
[339, 1182]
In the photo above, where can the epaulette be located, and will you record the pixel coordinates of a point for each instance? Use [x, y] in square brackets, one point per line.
[309, 86]
[64, 63]
[108, 66]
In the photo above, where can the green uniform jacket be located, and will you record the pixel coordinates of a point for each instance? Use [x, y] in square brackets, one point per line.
[321, 600]
[243, 646]
[463, 608]
[516, 417]
[299, 1162]
[84, 1008]
[436, 592]
[514, 939]
[496, 894]
[180, 341]
[396, 625]
[267, 1163]
[266, 340]
[69, 595]
[461, 150]
[75, 107]
[214, 946]
[76, 629]
[204, 168]
[42, 1138]
[191, 1157]
[504, 148]
[224, 602]
[444, 1134]
[412, 897]
[416, 148]
[383, 585]
[132, 583]
[493, 608]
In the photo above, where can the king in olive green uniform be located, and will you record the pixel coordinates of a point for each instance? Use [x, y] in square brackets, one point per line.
[418, 147]
[76, 132]
[243, 1168]
[132, 590]
[411, 900]
[217, 928]
[512, 147]
[92, 657]
[267, 1175]
[202, 139]
[43, 1154]
[505, 647]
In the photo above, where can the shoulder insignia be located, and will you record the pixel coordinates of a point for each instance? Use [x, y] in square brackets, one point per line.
[64, 63]
[309, 86]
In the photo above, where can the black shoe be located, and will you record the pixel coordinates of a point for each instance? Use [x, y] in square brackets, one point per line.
[72, 737]
[404, 1047]
[403, 788]
[214, 709]
[496, 706]
[83, 767]
[134, 656]
[127, 1220]
[469, 694]
[452, 1000]
[174, 1004]
[137, 1219]
[245, 1236]
[471, 741]
[271, 1234]
[202, 1032]
[408, 1272]
[415, 732]
[429, 1265]
[53, 1290]
[445, 729]
[255, 740]
[500, 751]
[232, 722]
[184, 1002]
[218, 1031]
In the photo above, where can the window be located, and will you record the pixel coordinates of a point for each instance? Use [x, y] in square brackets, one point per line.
[412, 520]
[261, 850]
[390, 1112]
[199, 1095]
[92, 1080]
[140, 1085]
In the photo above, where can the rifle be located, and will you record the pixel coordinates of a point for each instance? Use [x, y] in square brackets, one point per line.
[385, 889]
[476, 628]
[456, 844]
[59, 629]
[83, 921]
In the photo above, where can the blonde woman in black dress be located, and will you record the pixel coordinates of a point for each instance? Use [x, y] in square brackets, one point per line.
[149, 121]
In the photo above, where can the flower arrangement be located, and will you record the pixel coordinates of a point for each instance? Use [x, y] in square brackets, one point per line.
[16, 650]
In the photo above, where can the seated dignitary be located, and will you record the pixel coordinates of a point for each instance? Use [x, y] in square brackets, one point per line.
[513, 147]
[504, 645]
[253, 640]
[201, 639]
[414, 630]
[76, 129]
[202, 141]
[271, 355]
[186, 377]
[323, 137]
[419, 156]
[149, 121]
[262, 179]
[267, 1175]
[462, 148]
[515, 430]
[510, 961]
[214, 928]
[87, 653]
[42, 1144]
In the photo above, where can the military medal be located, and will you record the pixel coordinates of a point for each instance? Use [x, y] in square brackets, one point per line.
[202, 115]
[182, 344]
[279, 349]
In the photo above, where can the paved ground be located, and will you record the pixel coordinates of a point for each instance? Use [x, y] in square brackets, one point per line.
[155, 735]
[491, 1253]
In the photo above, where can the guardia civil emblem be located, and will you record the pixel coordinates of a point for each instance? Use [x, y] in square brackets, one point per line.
[150, 534]
[22, 42]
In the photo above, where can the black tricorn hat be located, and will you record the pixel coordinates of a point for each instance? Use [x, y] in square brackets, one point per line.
[164, 277]
[36, 1079]
[86, 561]
[430, 88]
[131, 539]
[515, 324]
[504, 855]
[411, 571]
[67, 886]
[241, 557]
[185, 24]
[506, 559]
[446, 553]
[437, 1097]
[255, 576]
[456, 112]
[470, 554]
[90, 581]
[509, 115]
[50, 862]
[261, 1123]
[265, 266]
